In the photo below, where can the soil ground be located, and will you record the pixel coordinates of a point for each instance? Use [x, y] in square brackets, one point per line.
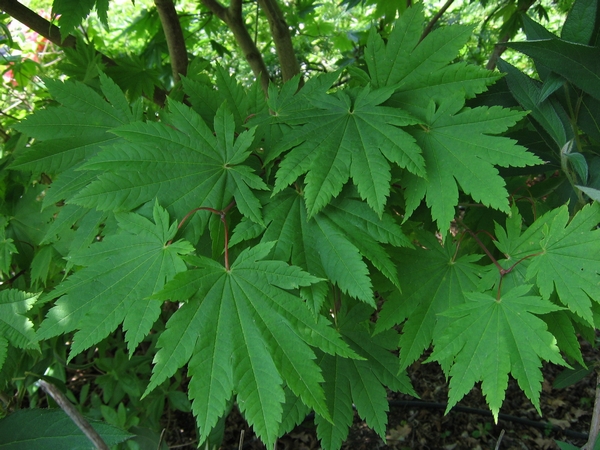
[566, 417]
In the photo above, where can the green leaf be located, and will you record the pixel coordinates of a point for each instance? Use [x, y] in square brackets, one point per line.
[580, 64]
[459, 150]
[549, 113]
[558, 256]
[579, 25]
[333, 244]
[561, 326]
[245, 334]
[407, 61]
[118, 276]
[360, 382]
[592, 193]
[180, 162]
[569, 377]
[439, 281]
[566, 263]
[15, 326]
[51, 429]
[485, 339]
[348, 135]
[71, 13]
[7, 249]
[75, 131]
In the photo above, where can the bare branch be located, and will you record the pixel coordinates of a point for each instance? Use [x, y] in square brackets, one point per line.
[595, 425]
[282, 38]
[499, 48]
[174, 36]
[73, 414]
[234, 20]
[36, 22]
[51, 32]
[235, 6]
[435, 18]
[217, 9]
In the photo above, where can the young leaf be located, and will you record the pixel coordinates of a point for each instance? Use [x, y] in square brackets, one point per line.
[486, 337]
[119, 274]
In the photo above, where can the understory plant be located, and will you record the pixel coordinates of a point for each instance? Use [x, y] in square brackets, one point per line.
[295, 248]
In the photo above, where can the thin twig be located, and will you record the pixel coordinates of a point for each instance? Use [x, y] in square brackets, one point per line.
[435, 18]
[241, 442]
[73, 414]
[595, 425]
[499, 440]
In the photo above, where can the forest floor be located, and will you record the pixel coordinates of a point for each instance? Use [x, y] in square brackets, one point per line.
[411, 425]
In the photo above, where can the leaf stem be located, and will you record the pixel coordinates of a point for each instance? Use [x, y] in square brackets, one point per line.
[487, 252]
[222, 214]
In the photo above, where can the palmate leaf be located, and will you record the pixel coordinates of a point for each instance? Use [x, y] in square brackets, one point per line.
[486, 339]
[15, 327]
[359, 382]
[348, 135]
[69, 134]
[459, 150]
[180, 162]
[433, 90]
[438, 281]
[119, 275]
[420, 70]
[560, 256]
[333, 244]
[245, 334]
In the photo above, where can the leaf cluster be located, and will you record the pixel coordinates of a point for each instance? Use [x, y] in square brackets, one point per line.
[282, 250]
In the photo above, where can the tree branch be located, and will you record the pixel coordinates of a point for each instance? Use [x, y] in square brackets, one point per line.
[73, 414]
[595, 425]
[51, 32]
[499, 48]
[36, 22]
[282, 38]
[174, 36]
[435, 18]
[235, 6]
[232, 16]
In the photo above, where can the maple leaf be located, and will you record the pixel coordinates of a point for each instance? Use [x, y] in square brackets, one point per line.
[245, 334]
[456, 142]
[420, 70]
[113, 287]
[558, 255]
[485, 339]
[69, 134]
[348, 134]
[332, 244]
[459, 150]
[359, 382]
[438, 281]
[15, 328]
[178, 161]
